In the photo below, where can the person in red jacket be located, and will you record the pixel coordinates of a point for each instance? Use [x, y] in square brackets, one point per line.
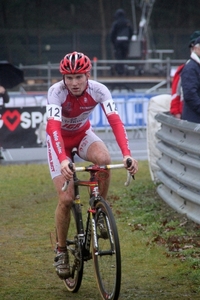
[176, 102]
[176, 105]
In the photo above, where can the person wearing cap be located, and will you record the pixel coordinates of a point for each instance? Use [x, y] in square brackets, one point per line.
[176, 105]
[120, 35]
[190, 83]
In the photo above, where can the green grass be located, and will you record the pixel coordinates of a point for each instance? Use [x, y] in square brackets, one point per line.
[160, 248]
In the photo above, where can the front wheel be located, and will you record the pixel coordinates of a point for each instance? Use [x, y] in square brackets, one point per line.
[75, 254]
[107, 257]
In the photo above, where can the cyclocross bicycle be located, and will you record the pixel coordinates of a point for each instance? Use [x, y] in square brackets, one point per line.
[98, 240]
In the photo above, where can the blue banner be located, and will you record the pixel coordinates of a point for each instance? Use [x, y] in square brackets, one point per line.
[132, 108]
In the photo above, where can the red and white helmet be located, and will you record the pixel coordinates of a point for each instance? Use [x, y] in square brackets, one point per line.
[75, 63]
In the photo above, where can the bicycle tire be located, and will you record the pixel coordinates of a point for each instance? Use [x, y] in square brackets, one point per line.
[73, 283]
[107, 260]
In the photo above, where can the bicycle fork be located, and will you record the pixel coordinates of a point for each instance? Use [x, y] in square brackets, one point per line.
[90, 232]
[92, 213]
[93, 218]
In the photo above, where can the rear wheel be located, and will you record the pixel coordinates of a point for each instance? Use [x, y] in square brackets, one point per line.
[107, 258]
[75, 255]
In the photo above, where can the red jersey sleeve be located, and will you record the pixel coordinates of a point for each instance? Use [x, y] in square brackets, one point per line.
[54, 131]
[120, 133]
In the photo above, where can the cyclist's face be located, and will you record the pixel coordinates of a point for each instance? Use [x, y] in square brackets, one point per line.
[76, 83]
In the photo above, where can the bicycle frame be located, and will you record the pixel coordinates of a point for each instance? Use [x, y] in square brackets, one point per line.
[85, 237]
[94, 241]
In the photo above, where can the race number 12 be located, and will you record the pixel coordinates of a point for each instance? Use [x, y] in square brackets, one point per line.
[54, 112]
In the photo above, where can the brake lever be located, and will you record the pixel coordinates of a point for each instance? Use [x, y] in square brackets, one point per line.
[129, 163]
[128, 180]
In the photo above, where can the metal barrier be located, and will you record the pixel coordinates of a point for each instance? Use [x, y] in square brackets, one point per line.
[179, 165]
[151, 74]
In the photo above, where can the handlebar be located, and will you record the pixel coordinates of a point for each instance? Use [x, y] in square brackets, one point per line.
[99, 168]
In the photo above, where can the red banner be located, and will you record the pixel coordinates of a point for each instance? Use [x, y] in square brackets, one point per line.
[22, 127]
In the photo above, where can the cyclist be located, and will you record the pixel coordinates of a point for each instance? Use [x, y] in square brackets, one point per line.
[70, 103]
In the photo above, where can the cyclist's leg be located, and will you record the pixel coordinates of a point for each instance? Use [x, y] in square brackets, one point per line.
[62, 220]
[62, 214]
[98, 154]
[65, 199]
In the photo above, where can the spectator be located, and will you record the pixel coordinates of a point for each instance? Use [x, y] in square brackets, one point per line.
[176, 102]
[190, 83]
[121, 33]
[4, 95]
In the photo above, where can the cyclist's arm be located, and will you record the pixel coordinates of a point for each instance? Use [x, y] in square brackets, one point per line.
[54, 130]
[120, 134]
[66, 170]
[117, 126]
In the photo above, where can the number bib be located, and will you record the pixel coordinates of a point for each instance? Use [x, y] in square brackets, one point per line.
[54, 112]
[110, 107]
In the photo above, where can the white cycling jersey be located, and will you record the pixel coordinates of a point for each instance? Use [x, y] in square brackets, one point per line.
[74, 111]
[68, 115]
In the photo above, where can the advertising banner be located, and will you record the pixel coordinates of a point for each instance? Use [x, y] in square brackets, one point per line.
[23, 119]
[21, 127]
